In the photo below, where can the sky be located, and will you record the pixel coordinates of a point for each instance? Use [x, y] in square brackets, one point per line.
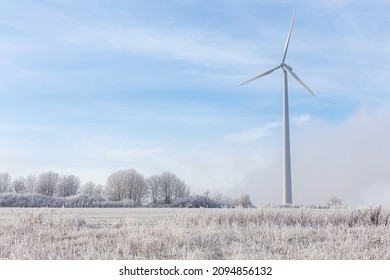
[92, 87]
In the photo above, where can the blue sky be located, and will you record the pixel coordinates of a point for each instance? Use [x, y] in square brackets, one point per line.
[91, 87]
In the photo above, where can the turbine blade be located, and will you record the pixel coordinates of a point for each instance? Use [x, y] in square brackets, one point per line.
[299, 80]
[261, 75]
[288, 38]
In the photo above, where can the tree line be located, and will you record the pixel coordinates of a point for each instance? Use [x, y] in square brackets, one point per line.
[128, 184]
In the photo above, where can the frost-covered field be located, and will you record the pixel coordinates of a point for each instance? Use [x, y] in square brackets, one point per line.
[147, 233]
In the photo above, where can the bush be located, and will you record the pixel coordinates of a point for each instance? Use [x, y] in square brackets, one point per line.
[244, 201]
[198, 202]
[77, 201]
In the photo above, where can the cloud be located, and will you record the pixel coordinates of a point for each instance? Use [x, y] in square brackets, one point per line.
[195, 46]
[349, 160]
[301, 119]
[132, 155]
[252, 133]
[9, 65]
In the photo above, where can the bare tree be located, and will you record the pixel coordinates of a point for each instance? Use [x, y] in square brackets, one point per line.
[88, 188]
[91, 189]
[30, 183]
[126, 184]
[68, 185]
[244, 201]
[47, 183]
[172, 187]
[19, 185]
[181, 189]
[334, 202]
[167, 188]
[5, 182]
[223, 199]
[114, 187]
[154, 185]
[136, 186]
[99, 189]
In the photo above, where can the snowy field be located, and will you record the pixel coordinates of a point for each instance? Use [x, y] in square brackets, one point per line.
[154, 233]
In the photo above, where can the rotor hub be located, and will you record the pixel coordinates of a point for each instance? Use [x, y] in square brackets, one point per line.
[284, 65]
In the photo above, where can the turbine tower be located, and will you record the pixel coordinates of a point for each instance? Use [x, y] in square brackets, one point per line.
[287, 184]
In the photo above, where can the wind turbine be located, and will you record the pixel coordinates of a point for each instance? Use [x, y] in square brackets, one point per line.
[287, 188]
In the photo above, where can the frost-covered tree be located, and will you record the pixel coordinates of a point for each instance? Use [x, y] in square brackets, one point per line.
[126, 184]
[167, 186]
[30, 183]
[114, 187]
[223, 199]
[334, 202]
[99, 191]
[181, 189]
[5, 182]
[88, 188]
[136, 187]
[19, 185]
[244, 201]
[154, 185]
[68, 185]
[172, 187]
[91, 189]
[47, 183]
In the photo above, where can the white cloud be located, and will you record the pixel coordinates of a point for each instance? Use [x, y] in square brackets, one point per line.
[132, 155]
[252, 133]
[349, 160]
[301, 119]
[196, 46]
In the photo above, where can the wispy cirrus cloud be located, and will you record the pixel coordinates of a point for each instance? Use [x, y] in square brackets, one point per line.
[188, 44]
[126, 154]
[252, 133]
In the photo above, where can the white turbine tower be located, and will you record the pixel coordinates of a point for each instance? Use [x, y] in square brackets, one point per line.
[287, 189]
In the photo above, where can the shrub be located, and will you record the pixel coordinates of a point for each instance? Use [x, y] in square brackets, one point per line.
[197, 202]
[77, 201]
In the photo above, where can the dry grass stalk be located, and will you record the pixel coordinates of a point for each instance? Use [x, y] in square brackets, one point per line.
[199, 234]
